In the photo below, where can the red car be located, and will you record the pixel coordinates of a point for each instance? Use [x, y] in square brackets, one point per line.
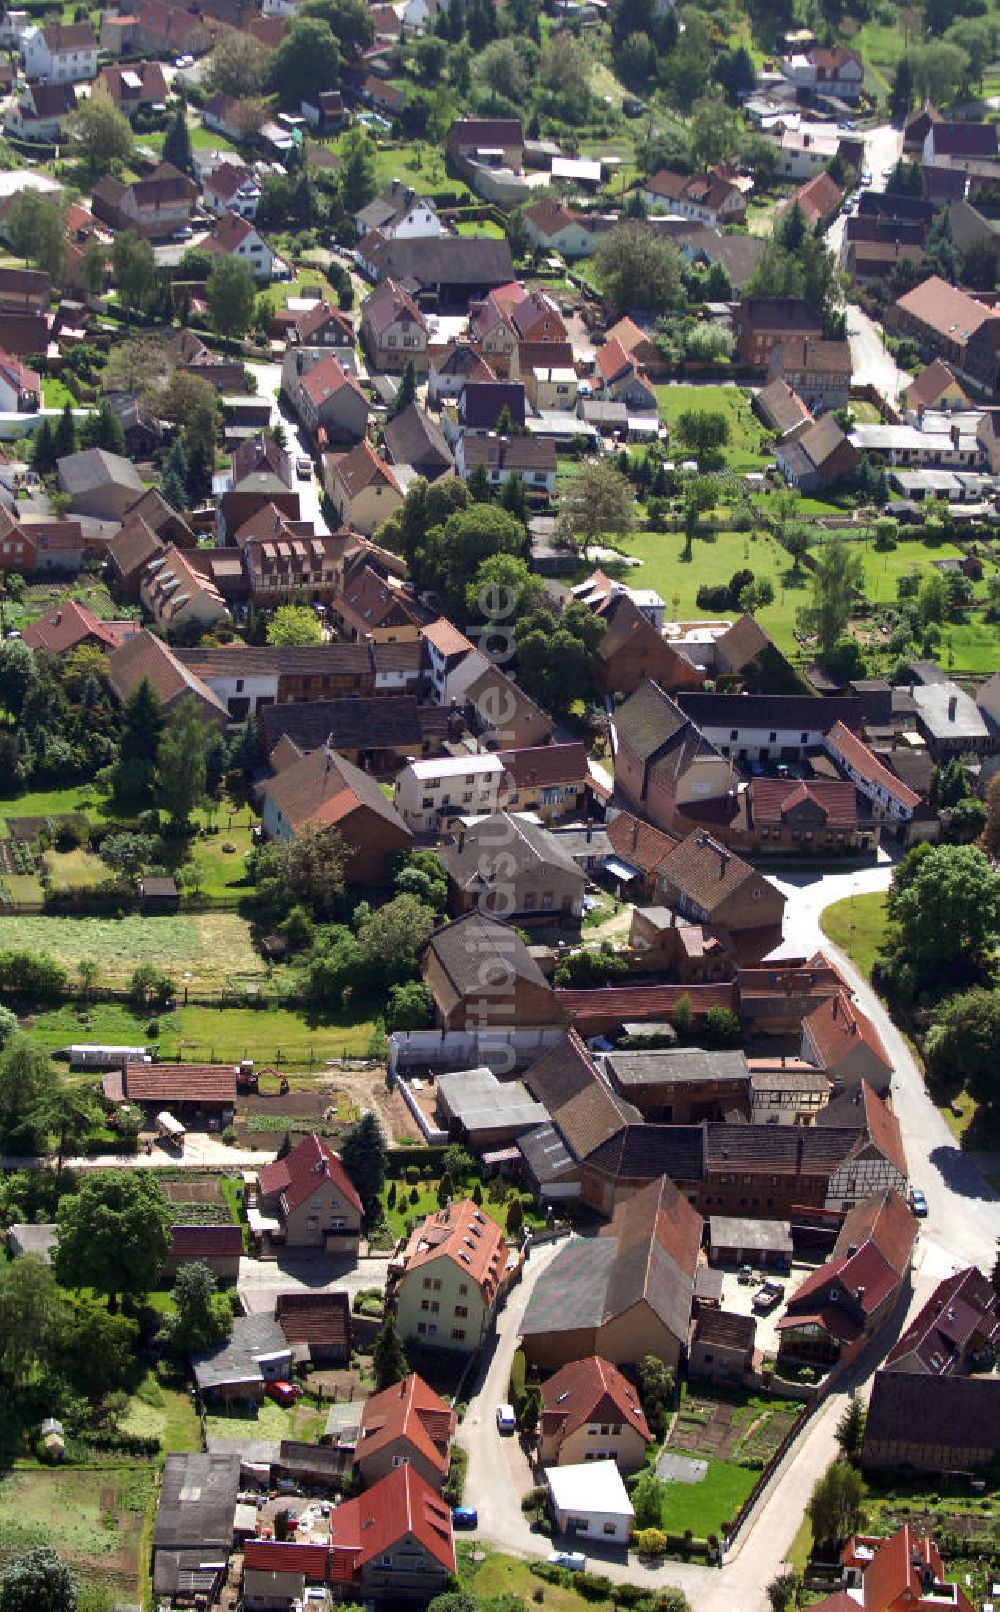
[284, 1393]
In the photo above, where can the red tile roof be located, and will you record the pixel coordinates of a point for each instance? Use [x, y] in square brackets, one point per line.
[591, 1390]
[883, 1128]
[638, 841]
[295, 1176]
[445, 637]
[314, 1318]
[206, 1242]
[402, 1504]
[181, 1083]
[541, 766]
[641, 1003]
[836, 1027]
[408, 1413]
[65, 627]
[856, 754]
[961, 1307]
[464, 1234]
[870, 1257]
[272, 1556]
[950, 313]
[773, 798]
[327, 378]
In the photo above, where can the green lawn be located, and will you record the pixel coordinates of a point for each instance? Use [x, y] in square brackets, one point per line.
[704, 1507]
[51, 802]
[714, 559]
[492, 1576]
[94, 1519]
[482, 226]
[203, 950]
[429, 1201]
[275, 1037]
[168, 1414]
[857, 926]
[56, 394]
[746, 450]
[303, 1420]
[72, 869]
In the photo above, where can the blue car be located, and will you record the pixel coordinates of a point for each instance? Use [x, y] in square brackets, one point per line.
[918, 1203]
[465, 1517]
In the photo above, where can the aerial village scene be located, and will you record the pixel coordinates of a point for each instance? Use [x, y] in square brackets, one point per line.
[500, 806]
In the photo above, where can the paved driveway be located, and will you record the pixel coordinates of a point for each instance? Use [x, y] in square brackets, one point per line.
[262, 1279]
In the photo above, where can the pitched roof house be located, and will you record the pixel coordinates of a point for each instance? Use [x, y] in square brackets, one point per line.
[703, 879]
[957, 1331]
[99, 483]
[312, 1199]
[480, 972]
[146, 656]
[663, 762]
[362, 488]
[408, 1422]
[508, 864]
[323, 790]
[816, 454]
[70, 624]
[707, 198]
[175, 593]
[590, 1411]
[852, 1294]
[952, 1424]
[624, 1294]
[842, 1041]
[447, 1280]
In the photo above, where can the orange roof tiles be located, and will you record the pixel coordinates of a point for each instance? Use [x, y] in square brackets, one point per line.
[464, 1234]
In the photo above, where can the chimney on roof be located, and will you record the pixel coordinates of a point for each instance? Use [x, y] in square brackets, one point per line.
[859, 1294]
[635, 834]
[952, 707]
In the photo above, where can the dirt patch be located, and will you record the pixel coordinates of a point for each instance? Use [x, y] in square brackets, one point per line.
[338, 1385]
[206, 1190]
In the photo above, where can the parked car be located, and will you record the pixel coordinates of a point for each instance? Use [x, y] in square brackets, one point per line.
[573, 1560]
[464, 1517]
[506, 1420]
[918, 1203]
[767, 1296]
[303, 467]
[284, 1393]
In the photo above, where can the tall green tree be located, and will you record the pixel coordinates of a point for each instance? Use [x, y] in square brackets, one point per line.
[365, 1157]
[142, 726]
[851, 1428]
[835, 1505]
[65, 441]
[306, 62]
[946, 913]
[637, 268]
[358, 183]
[177, 142]
[37, 232]
[388, 1356]
[43, 449]
[231, 293]
[175, 474]
[113, 1234]
[599, 501]
[28, 1086]
[837, 582]
[202, 1315]
[407, 390]
[294, 624]
[134, 271]
[180, 762]
[100, 132]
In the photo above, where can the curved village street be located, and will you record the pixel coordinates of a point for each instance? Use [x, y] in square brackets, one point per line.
[961, 1228]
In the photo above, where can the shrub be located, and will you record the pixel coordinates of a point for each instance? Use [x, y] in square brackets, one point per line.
[650, 1541]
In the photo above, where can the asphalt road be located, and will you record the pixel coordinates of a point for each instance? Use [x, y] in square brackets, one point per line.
[310, 492]
[261, 1280]
[964, 1218]
[873, 364]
